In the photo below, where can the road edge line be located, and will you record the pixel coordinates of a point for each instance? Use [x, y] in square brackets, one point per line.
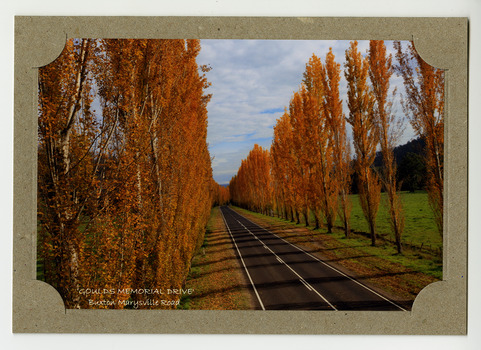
[303, 281]
[242, 260]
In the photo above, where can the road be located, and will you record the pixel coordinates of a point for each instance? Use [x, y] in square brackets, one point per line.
[286, 277]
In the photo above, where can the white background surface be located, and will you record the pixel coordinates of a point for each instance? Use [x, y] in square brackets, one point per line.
[364, 8]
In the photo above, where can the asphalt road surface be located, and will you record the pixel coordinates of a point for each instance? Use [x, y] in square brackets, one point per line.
[285, 277]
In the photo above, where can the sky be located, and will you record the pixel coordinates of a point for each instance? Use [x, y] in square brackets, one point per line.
[252, 81]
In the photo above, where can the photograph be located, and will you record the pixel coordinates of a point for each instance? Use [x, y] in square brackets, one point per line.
[240, 174]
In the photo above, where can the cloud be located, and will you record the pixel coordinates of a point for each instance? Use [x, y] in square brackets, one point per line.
[252, 82]
[228, 156]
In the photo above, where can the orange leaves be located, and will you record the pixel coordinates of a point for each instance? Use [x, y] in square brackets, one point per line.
[251, 187]
[309, 146]
[335, 119]
[283, 166]
[324, 121]
[389, 128]
[134, 194]
[66, 133]
[365, 137]
[423, 103]
[309, 153]
[221, 194]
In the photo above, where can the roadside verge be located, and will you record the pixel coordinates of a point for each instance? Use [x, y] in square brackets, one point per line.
[216, 275]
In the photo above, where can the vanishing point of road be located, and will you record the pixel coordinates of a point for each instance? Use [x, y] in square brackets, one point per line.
[286, 277]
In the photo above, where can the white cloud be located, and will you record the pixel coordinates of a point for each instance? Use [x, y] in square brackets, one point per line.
[250, 77]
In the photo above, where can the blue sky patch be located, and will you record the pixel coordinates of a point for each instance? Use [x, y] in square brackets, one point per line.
[272, 110]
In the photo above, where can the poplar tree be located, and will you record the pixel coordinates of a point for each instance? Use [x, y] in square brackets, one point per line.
[282, 165]
[303, 118]
[423, 103]
[324, 184]
[66, 133]
[365, 137]
[125, 191]
[251, 186]
[389, 128]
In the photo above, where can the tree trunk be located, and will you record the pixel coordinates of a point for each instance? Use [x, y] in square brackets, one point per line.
[398, 244]
[373, 233]
[317, 221]
[306, 216]
[347, 229]
[74, 283]
[329, 225]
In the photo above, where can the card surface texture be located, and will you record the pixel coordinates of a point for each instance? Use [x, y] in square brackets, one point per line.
[240, 175]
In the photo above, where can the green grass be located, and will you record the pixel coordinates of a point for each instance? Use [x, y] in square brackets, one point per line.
[40, 275]
[420, 227]
[40, 262]
[186, 299]
[412, 260]
[215, 274]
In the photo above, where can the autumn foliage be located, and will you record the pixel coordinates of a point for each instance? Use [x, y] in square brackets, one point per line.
[423, 103]
[364, 133]
[333, 159]
[311, 169]
[282, 168]
[125, 190]
[251, 187]
[221, 194]
[389, 129]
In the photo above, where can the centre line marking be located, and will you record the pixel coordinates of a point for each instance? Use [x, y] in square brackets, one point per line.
[305, 284]
[290, 268]
[322, 262]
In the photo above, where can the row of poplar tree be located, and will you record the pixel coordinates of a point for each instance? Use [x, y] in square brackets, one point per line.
[125, 182]
[309, 167]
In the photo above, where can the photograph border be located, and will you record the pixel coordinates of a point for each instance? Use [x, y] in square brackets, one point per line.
[440, 308]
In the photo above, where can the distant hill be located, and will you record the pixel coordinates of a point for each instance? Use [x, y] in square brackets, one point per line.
[415, 146]
[411, 170]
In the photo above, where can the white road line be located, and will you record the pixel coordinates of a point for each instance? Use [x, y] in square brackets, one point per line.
[243, 263]
[326, 264]
[306, 284]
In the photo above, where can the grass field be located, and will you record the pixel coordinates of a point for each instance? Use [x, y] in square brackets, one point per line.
[420, 227]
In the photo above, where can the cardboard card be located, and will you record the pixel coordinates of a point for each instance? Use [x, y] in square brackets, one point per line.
[128, 130]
